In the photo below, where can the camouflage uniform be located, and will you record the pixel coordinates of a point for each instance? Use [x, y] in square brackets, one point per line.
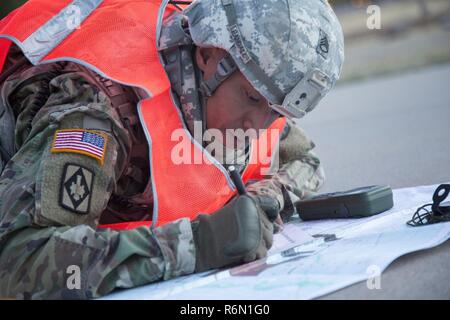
[40, 240]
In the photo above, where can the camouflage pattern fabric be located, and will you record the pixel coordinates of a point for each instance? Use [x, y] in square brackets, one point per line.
[41, 241]
[302, 36]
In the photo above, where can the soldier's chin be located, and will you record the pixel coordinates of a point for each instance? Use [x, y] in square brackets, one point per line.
[232, 142]
[241, 143]
[236, 141]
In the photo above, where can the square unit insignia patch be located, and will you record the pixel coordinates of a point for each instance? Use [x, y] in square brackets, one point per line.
[76, 188]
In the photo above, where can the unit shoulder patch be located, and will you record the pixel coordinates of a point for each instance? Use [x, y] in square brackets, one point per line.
[87, 142]
[76, 188]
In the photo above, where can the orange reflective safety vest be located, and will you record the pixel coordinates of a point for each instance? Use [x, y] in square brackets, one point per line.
[119, 39]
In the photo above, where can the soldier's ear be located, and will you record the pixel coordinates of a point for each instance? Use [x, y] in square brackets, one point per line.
[207, 59]
[202, 55]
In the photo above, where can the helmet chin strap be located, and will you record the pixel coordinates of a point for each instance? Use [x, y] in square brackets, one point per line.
[272, 115]
[225, 68]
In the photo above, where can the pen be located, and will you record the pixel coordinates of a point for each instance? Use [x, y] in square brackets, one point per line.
[237, 180]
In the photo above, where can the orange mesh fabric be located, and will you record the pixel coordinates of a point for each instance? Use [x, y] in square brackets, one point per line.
[183, 189]
[4, 49]
[119, 38]
[263, 151]
[186, 189]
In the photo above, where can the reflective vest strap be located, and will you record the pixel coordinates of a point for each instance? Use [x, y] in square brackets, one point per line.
[5, 44]
[25, 20]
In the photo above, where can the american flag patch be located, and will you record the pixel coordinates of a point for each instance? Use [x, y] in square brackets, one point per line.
[86, 142]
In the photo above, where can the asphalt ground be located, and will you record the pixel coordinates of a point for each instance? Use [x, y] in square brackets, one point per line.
[391, 131]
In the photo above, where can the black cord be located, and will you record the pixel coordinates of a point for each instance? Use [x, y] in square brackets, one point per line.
[432, 212]
[421, 216]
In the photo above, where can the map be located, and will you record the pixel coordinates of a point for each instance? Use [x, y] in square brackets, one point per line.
[313, 258]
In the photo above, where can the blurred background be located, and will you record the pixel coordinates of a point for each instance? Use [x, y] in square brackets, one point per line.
[388, 119]
[9, 5]
[414, 33]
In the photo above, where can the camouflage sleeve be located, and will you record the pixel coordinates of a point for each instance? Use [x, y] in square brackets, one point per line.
[300, 173]
[50, 203]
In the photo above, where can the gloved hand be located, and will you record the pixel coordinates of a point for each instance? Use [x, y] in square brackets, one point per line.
[269, 205]
[239, 232]
[272, 209]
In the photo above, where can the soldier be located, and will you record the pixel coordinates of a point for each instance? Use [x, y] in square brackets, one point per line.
[86, 148]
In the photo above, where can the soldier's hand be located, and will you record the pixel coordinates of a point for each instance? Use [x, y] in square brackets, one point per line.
[271, 208]
[239, 232]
